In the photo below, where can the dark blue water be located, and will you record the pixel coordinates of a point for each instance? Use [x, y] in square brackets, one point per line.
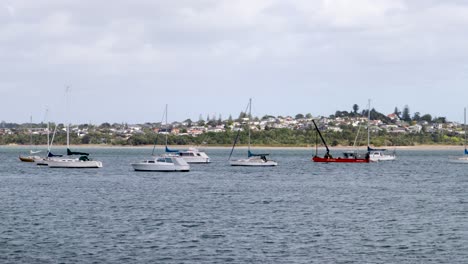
[413, 210]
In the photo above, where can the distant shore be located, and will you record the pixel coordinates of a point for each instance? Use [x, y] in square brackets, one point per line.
[418, 147]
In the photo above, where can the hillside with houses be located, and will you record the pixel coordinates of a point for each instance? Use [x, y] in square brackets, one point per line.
[341, 128]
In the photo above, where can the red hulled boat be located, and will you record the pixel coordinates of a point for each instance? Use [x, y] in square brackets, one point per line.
[328, 158]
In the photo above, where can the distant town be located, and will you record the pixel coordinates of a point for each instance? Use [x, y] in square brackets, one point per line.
[341, 128]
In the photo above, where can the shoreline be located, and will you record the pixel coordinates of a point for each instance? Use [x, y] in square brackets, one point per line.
[419, 147]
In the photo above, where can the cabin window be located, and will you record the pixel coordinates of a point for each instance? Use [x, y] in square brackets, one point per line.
[161, 160]
[168, 160]
[151, 161]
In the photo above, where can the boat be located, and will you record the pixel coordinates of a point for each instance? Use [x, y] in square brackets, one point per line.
[464, 158]
[70, 162]
[328, 158]
[252, 160]
[31, 157]
[191, 155]
[50, 156]
[376, 154]
[163, 163]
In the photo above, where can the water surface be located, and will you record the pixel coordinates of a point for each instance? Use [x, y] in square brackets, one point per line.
[413, 210]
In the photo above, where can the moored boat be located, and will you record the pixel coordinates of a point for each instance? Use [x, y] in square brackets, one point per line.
[252, 160]
[164, 163]
[329, 158]
[464, 158]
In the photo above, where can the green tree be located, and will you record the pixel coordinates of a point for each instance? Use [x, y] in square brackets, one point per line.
[426, 117]
[355, 108]
[299, 116]
[406, 114]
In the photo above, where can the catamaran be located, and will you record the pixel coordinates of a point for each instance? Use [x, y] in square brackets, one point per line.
[329, 158]
[464, 158]
[252, 160]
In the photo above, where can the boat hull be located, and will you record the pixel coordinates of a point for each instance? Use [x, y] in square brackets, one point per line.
[74, 164]
[253, 163]
[161, 168]
[459, 160]
[339, 160]
[30, 158]
[165, 163]
[378, 156]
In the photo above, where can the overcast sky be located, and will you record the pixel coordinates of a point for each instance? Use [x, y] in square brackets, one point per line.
[124, 60]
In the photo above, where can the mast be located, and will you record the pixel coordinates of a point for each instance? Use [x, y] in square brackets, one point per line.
[166, 126]
[68, 116]
[248, 122]
[30, 134]
[368, 125]
[466, 152]
[320, 134]
[48, 127]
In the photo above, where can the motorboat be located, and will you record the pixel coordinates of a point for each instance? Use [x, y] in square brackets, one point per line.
[191, 155]
[380, 155]
[374, 153]
[164, 163]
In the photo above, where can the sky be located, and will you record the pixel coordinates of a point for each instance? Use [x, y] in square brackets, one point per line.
[123, 61]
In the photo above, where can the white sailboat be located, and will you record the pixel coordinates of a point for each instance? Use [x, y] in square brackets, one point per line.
[464, 158]
[70, 162]
[374, 153]
[252, 160]
[163, 163]
[192, 155]
[31, 157]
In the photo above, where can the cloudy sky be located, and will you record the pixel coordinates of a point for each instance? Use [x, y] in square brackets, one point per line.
[124, 60]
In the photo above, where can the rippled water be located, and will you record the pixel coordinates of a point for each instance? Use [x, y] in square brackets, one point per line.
[413, 210]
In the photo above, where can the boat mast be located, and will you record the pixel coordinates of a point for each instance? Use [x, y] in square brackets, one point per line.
[166, 126]
[68, 116]
[466, 152]
[320, 134]
[368, 125]
[30, 134]
[48, 127]
[248, 122]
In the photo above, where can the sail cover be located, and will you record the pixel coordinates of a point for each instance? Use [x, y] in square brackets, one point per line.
[250, 154]
[374, 149]
[171, 150]
[50, 155]
[76, 153]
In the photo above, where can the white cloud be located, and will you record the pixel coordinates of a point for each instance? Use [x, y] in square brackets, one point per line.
[245, 44]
